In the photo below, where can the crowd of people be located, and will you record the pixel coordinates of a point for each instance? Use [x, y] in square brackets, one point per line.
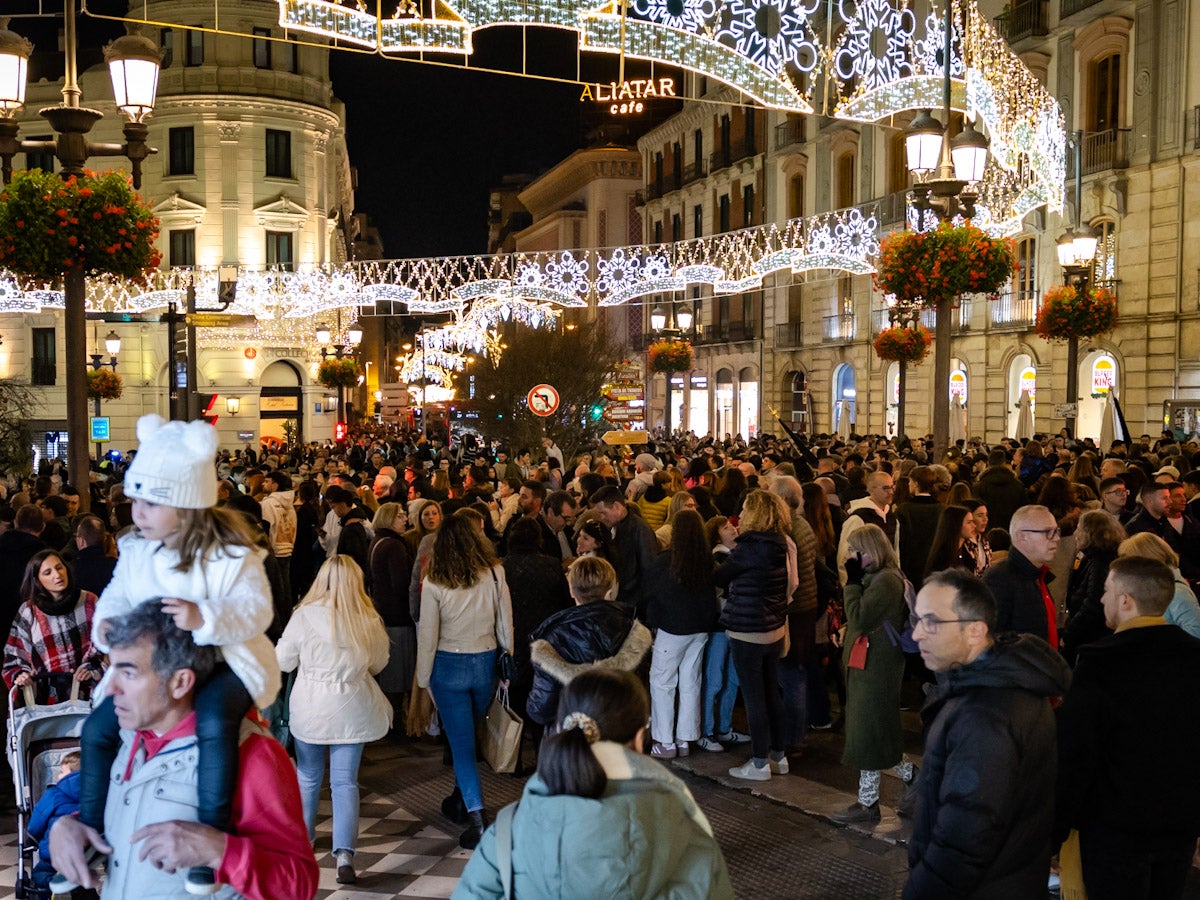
[1043, 591]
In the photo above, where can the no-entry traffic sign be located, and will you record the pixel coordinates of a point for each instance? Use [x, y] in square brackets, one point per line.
[543, 400]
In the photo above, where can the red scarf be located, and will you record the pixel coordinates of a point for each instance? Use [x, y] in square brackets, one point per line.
[154, 743]
[1051, 609]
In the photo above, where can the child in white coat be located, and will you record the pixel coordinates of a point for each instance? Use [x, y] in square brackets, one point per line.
[204, 564]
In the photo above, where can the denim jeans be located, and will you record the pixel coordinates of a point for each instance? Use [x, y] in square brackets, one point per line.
[343, 785]
[675, 671]
[462, 685]
[720, 685]
[793, 686]
[758, 671]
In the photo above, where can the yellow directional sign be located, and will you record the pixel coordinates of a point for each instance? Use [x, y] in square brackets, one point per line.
[626, 437]
[218, 320]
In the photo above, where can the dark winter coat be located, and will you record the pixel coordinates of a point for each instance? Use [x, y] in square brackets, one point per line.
[93, 569]
[538, 589]
[636, 548]
[390, 572]
[17, 548]
[755, 580]
[918, 519]
[985, 794]
[1019, 603]
[1085, 587]
[1127, 747]
[1003, 494]
[677, 609]
[874, 734]
[598, 633]
[355, 540]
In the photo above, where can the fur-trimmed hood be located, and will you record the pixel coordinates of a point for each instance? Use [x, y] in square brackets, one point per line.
[627, 658]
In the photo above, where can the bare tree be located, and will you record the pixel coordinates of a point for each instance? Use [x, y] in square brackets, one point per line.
[17, 405]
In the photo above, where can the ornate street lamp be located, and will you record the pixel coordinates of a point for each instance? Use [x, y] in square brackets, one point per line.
[947, 174]
[133, 62]
[670, 327]
[354, 336]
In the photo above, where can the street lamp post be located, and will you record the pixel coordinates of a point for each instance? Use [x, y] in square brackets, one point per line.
[353, 337]
[112, 344]
[1076, 253]
[947, 172]
[670, 329]
[133, 64]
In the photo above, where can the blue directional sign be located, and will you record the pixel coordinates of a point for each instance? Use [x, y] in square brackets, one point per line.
[100, 429]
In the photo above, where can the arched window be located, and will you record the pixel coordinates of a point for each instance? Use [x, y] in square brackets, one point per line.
[796, 196]
[1105, 94]
[846, 166]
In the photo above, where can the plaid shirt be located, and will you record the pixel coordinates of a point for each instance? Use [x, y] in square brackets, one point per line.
[39, 643]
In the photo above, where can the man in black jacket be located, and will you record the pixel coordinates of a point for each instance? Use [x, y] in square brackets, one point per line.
[17, 547]
[1019, 583]
[1127, 749]
[985, 794]
[1000, 489]
[635, 543]
[918, 520]
[93, 568]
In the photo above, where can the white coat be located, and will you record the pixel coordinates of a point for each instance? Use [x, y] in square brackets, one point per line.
[335, 699]
[229, 585]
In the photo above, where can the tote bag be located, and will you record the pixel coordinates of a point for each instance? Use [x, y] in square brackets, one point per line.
[501, 741]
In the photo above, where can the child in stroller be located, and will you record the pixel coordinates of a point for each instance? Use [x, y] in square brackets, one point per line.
[60, 799]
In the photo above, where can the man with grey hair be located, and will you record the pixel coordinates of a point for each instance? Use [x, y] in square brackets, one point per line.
[151, 835]
[1019, 582]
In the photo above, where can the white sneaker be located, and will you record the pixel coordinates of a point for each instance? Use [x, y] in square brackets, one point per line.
[733, 737]
[750, 772]
[712, 746]
[778, 766]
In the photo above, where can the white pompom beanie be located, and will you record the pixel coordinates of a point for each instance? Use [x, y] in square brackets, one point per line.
[175, 464]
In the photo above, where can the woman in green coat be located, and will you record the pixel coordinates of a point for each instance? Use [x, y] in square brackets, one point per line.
[874, 664]
[600, 819]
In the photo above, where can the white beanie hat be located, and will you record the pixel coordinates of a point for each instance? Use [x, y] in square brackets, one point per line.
[175, 464]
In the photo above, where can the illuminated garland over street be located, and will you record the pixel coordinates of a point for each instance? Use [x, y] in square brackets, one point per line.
[872, 56]
[482, 293]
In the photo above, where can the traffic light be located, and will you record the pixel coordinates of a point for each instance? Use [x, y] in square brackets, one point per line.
[207, 404]
[339, 432]
[596, 411]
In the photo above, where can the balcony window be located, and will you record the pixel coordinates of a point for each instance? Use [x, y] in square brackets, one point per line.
[724, 214]
[1104, 83]
[846, 165]
[279, 154]
[1104, 269]
[697, 221]
[747, 206]
[44, 362]
[262, 48]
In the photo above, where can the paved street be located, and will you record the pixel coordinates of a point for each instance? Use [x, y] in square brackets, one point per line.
[774, 837]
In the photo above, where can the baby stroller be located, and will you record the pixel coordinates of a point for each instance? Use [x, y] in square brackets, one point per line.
[39, 736]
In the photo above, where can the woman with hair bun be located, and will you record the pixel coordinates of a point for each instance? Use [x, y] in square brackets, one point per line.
[644, 838]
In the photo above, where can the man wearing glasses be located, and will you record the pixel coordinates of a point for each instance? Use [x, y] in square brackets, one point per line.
[1019, 582]
[985, 794]
[1114, 497]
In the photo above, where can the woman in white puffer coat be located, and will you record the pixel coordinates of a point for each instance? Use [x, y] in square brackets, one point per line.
[336, 641]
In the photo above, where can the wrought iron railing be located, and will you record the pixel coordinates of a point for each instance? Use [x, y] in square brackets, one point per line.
[840, 329]
[788, 133]
[1015, 307]
[789, 334]
[1024, 19]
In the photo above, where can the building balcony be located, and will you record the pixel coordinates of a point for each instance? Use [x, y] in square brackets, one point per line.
[693, 172]
[960, 318]
[1025, 19]
[726, 332]
[719, 159]
[839, 329]
[789, 133]
[1070, 7]
[1194, 125]
[1015, 309]
[742, 149]
[653, 191]
[1102, 151]
[790, 334]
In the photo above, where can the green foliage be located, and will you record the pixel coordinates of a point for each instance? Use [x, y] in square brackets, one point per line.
[577, 363]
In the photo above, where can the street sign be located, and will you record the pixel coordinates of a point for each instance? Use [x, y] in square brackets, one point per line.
[623, 393]
[625, 372]
[100, 429]
[543, 400]
[218, 320]
[617, 414]
[1065, 410]
[625, 437]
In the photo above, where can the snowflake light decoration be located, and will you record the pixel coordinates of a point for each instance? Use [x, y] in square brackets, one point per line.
[567, 274]
[529, 275]
[683, 15]
[857, 55]
[857, 235]
[821, 240]
[770, 33]
[617, 272]
[656, 267]
[929, 50]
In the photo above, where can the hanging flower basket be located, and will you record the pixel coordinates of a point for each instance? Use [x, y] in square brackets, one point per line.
[1065, 314]
[96, 223]
[908, 345]
[334, 373]
[104, 385]
[670, 356]
[922, 268]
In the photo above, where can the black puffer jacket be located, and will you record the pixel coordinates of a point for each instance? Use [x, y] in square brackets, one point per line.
[391, 570]
[755, 580]
[1019, 603]
[677, 609]
[1085, 622]
[985, 807]
[598, 633]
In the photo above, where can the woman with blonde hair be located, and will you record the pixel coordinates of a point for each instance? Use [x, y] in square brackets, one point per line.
[759, 579]
[466, 614]
[1183, 609]
[680, 500]
[336, 642]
